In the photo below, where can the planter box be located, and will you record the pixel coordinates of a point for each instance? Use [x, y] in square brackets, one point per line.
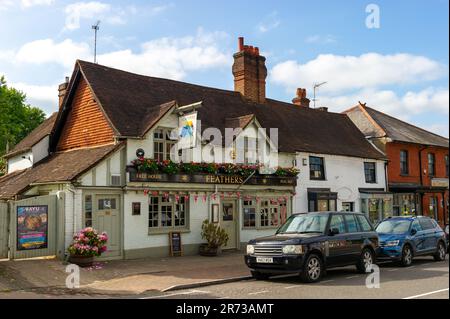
[82, 261]
[204, 250]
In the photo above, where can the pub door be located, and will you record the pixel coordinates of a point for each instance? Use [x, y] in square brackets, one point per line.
[228, 221]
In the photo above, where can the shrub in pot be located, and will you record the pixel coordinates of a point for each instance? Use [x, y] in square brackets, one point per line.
[215, 236]
[86, 245]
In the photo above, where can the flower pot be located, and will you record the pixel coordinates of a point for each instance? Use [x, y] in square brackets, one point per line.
[82, 261]
[209, 251]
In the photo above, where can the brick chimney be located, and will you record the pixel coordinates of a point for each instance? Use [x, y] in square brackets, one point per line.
[301, 99]
[250, 72]
[62, 89]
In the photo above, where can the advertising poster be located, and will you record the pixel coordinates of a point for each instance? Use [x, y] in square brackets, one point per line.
[187, 125]
[32, 227]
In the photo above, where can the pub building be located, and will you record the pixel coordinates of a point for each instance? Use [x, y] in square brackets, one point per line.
[106, 158]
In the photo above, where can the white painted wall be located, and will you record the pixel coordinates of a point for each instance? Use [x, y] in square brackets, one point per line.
[344, 175]
[136, 227]
[40, 149]
[20, 162]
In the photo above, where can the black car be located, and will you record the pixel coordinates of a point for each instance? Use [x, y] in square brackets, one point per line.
[309, 243]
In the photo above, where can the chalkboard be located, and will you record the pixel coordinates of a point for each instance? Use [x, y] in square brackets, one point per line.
[176, 248]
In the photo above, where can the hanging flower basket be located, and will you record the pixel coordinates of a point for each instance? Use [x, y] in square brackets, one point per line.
[86, 245]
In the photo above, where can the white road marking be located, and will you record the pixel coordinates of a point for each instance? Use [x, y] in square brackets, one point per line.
[352, 277]
[395, 269]
[290, 287]
[426, 294]
[178, 294]
[224, 298]
[327, 281]
[258, 292]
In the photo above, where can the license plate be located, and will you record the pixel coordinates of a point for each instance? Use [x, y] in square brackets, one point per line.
[263, 260]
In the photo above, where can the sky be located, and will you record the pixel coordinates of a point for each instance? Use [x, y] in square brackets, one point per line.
[392, 55]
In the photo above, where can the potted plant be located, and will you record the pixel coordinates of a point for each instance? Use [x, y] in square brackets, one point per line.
[215, 236]
[86, 245]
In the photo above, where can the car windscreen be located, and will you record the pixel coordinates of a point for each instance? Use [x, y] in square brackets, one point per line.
[305, 223]
[393, 226]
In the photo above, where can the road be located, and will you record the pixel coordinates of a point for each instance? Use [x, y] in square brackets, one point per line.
[424, 280]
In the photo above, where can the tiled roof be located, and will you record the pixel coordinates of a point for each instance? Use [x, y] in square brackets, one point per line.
[59, 167]
[132, 102]
[401, 131]
[34, 137]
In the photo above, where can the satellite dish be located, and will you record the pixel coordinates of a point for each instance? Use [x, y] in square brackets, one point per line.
[140, 152]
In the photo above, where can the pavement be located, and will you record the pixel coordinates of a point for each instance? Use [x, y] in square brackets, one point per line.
[426, 279]
[122, 277]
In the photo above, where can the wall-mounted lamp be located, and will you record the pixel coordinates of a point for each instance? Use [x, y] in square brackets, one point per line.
[304, 162]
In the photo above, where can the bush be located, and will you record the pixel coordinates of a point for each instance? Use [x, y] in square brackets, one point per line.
[214, 234]
[88, 243]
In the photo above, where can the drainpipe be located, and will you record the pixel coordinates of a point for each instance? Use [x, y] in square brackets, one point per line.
[71, 190]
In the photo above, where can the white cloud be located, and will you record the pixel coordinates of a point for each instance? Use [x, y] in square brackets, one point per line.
[320, 39]
[85, 10]
[356, 72]
[32, 3]
[270, 22]
[7, 4]
[172, 57]
[47, 51]
[38, 95]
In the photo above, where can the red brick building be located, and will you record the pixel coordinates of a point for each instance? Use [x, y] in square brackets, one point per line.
[418, 165]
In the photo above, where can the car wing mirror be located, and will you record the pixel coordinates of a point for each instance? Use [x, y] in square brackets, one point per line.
[333, 231]
[413, 232]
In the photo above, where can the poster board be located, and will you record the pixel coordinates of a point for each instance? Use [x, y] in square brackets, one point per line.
[176, 248]
[32, 227]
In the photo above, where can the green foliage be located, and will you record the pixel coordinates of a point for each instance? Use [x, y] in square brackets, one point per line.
[214, 234]
[17, 119]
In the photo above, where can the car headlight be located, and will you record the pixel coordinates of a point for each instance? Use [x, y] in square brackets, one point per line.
[250, 249]
[392, 243]
[293, 249]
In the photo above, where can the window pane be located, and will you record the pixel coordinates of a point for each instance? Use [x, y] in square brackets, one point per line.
[322, 205]
[153, 212]
[404, 169]
[373, 210]
[431, 164]
[166, 216]
[364, 223]
[337, 221]
[249, 217]
[351, 223]
[316, 168]
[369, 172]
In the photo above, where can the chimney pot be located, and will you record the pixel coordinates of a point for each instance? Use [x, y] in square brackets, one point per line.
[241, 44]
[323, 109]
[301, 99]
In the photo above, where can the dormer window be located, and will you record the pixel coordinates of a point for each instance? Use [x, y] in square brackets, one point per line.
[162, 144]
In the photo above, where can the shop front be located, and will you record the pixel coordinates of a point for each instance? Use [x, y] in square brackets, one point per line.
[161, 204]
[376, 204]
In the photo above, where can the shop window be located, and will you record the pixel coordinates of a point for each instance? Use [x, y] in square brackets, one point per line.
[270, 213]
[166, 212]
[374, 210]
[136, 208]
[88, 211]
[431, 164]
[433, 208]
[163, 145]
[249, 207]
[322, 201]
[316, 168]
[404, 167]
[370, 172]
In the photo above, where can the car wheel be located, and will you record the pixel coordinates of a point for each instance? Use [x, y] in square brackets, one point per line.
[366, 261]
[440, 253]
[259, 275]
[407, 256]
[312, 269]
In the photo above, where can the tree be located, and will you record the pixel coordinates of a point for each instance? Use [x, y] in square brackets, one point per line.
[17, 118]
